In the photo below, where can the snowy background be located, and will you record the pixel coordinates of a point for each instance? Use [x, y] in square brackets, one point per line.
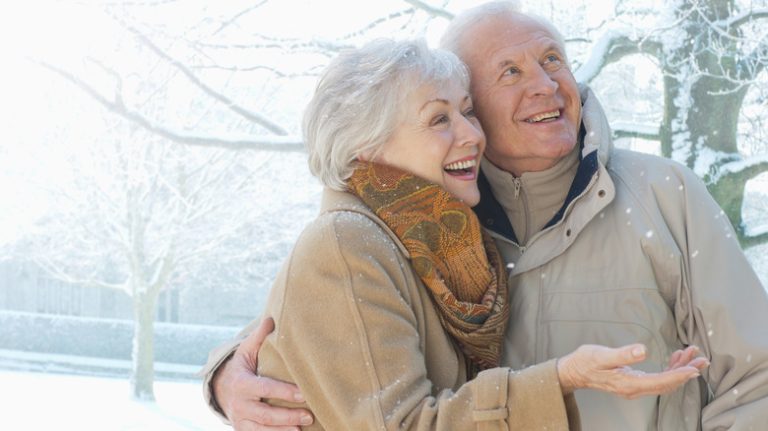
[151, 160]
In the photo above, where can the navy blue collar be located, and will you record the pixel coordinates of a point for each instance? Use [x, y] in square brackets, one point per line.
[492, 216]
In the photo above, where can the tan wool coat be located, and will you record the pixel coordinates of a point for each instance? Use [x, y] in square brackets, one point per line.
[359, 334]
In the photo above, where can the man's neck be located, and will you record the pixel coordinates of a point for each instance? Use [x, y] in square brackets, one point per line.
[532, 199]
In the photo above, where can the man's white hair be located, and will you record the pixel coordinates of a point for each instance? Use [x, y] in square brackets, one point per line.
[459, 31]
[359, 99]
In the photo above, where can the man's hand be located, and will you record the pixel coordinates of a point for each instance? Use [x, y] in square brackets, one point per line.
[607, 369]
[238, 390]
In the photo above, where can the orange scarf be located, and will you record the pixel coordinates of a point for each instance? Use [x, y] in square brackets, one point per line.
[457, 261]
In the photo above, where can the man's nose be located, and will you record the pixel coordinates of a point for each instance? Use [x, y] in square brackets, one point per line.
[540, 82]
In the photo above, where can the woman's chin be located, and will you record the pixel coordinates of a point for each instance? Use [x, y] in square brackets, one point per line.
[469, 197]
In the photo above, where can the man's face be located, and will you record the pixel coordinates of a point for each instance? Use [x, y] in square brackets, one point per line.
[525, 95]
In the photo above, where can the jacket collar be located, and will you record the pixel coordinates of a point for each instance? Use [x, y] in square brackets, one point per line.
[595, 143]
[334, 200]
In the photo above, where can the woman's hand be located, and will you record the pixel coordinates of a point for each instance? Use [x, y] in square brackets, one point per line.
[607, 369]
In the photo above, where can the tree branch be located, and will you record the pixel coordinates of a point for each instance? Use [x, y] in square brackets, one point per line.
[746, 17]
[743, 170]
[756, 60]
[273, 143]
[56, 273]
[376, 22]
[750, 241]
[328, 48]
[237, 16]
[248, 115]
[432, 10]
[624, 130]
[610, 48]
[313, 72]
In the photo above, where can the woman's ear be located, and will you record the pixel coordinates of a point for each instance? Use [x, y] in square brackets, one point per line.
[366, 156]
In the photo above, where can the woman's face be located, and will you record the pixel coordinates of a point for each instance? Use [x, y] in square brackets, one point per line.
[439, 139]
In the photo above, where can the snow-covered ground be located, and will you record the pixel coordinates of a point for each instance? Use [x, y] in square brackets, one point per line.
[44, 402]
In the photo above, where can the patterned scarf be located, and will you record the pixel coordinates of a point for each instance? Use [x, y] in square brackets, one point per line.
[457, 261]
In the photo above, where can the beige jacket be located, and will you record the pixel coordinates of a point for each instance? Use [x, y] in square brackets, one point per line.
[359, 334]
[640, 253]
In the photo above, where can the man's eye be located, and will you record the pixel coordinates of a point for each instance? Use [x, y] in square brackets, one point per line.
[512, 71]
[551, 58]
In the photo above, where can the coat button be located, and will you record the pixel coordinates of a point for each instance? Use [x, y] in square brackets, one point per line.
[568, 232]
[601, 193]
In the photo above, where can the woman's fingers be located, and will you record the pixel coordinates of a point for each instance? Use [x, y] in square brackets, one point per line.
[589, 365]
[608, 369]
[699, 363]
[608, 358]
[683, 357]
[633, 384]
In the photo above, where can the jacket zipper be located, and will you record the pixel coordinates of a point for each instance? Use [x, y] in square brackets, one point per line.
[518, 185]
[520, 194]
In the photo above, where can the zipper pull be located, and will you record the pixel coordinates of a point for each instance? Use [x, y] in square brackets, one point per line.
[518, 185]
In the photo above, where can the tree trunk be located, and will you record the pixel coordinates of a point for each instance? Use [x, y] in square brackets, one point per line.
[143, 355]
[703, 99]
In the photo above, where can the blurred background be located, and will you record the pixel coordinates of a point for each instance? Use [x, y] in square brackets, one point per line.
[152, 176]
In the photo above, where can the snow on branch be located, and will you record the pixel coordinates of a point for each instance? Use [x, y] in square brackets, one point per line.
[745, 17]
[757, 59]
[325, 47]
[746, 168]
[56, 272]
[612, 46]
[285, 143]
[432, 10]
[373, 24]
[625, 129]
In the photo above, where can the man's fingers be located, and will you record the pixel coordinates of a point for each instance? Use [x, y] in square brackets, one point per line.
[247, 425]
[264, 387]
[252, 343]
[264, 415]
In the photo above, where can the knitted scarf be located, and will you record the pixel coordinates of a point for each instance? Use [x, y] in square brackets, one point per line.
[457, 261]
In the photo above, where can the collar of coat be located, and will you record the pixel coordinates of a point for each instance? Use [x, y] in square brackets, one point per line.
[595, 143]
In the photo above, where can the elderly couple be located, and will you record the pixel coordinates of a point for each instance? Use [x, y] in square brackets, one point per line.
[401, 308]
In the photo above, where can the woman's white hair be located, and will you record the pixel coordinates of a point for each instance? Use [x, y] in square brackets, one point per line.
[458, 32]
[359, 101]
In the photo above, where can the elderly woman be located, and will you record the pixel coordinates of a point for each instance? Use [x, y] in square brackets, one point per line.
[391, 309]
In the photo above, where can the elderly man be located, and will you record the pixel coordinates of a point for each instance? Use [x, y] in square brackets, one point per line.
[606, 246]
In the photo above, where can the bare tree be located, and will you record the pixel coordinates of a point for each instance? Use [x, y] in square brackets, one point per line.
[141, 213]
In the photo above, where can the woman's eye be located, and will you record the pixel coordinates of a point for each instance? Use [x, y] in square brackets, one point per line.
[440, 119]
[469, 112]
[512, 71]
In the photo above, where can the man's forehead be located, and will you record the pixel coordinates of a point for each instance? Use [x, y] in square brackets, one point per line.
[515, 33]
